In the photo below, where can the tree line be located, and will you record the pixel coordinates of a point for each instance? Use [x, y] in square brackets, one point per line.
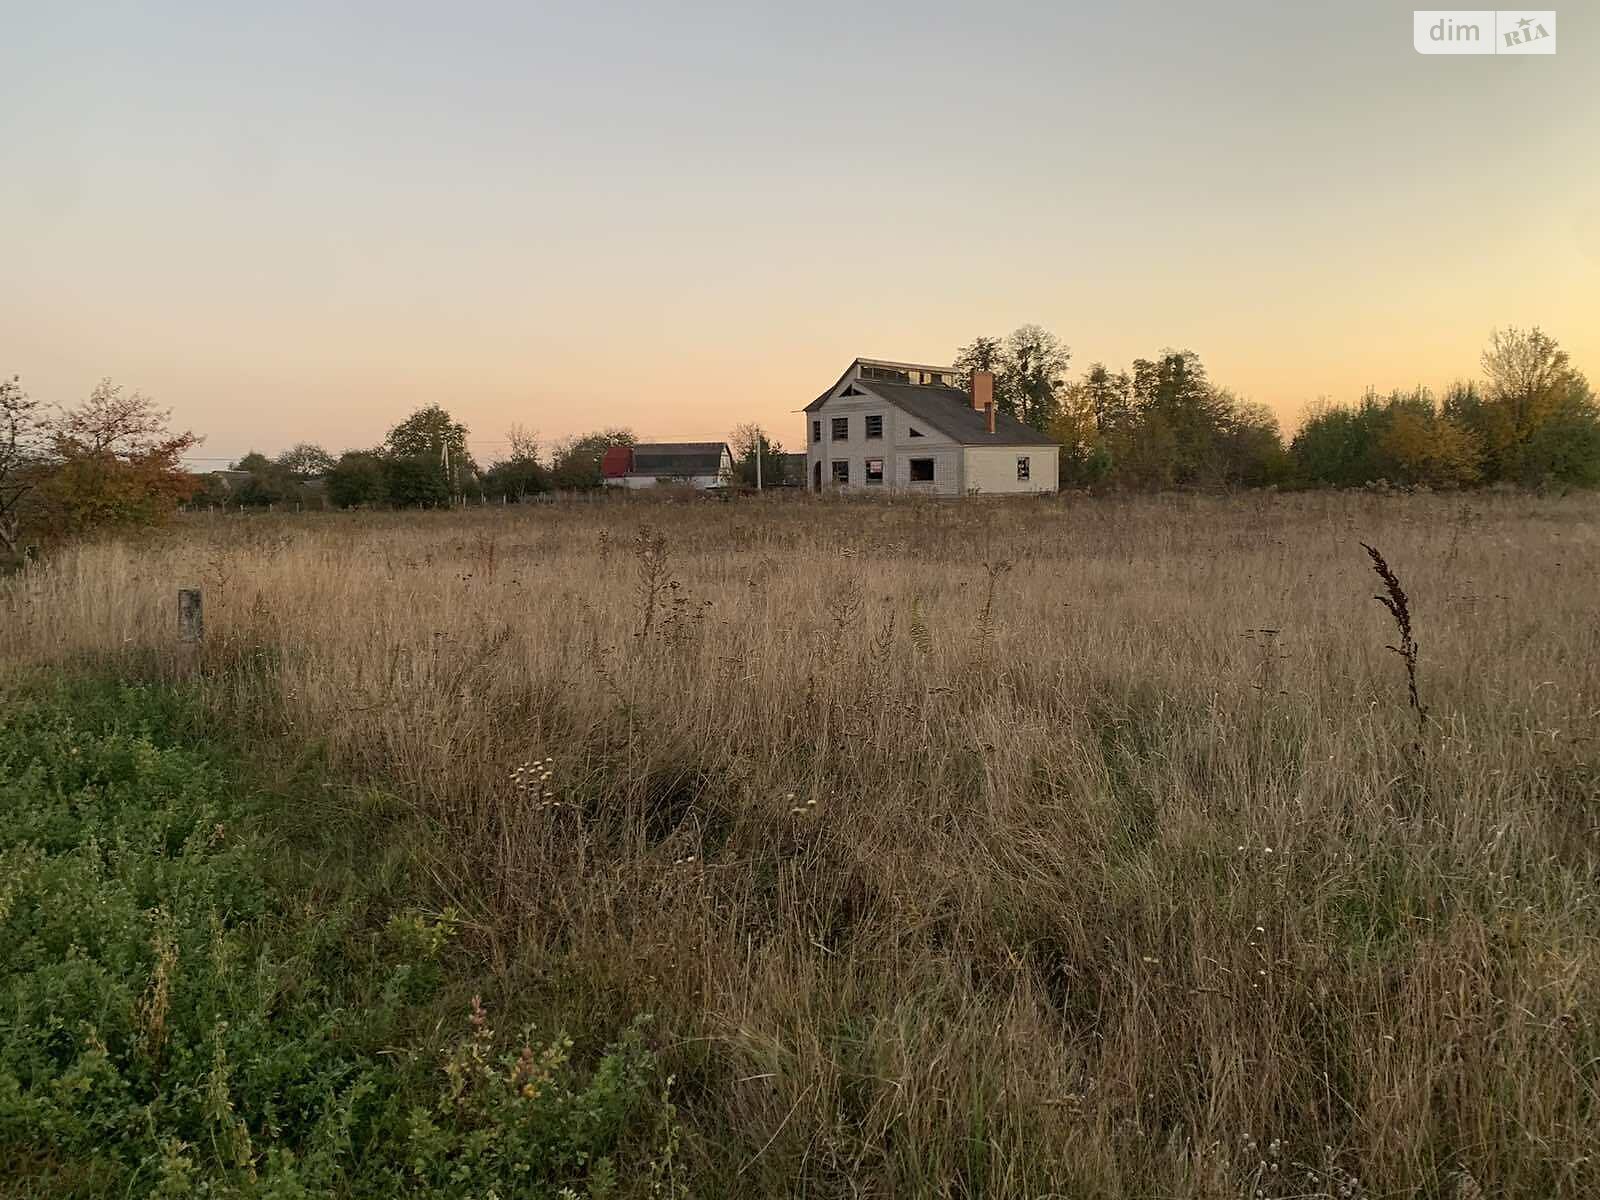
[114, 461]
[1531, 420]
[424, 462]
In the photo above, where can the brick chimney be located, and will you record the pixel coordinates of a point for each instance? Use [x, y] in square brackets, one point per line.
[982, 389]
[983, 394]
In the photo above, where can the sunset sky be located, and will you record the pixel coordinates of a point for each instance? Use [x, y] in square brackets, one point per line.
[299, 221]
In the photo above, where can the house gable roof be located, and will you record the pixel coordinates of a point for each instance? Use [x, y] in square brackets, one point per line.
[858, 371]
[832, 387]
[947, 410]
[950, 411]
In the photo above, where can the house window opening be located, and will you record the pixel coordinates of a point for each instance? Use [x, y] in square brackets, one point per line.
[841, 429]
[1022, 467]
[886, 374]
[841, 471]
[921, 470]
[875, 425]
[874, 473]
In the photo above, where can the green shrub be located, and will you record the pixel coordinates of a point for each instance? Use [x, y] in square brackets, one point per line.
[172, 1023]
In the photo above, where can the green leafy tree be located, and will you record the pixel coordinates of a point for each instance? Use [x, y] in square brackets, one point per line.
[427, 433]
[1336, 446]
[1146, 455]
[1536, 416]
[1035, 371]
[269, 482]
[1418, 444]
[211, 488]
[520, 474]
[415, 481]
[982, 354]
[1565, 448]
[358, 479]
[1250, 444]
[1166, 425]
[1099, 465]
[1029, 367]
[1077, 432]
[306, 460]
[575, 464]
[1528, 375]
[1180, 414]
[429, 436]
[1403, 438]
[515, 479]
[1107, 393]
[523, 443]
[745, 442]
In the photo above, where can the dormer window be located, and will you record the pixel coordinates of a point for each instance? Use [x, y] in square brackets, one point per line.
[895, 373]
[886, 374]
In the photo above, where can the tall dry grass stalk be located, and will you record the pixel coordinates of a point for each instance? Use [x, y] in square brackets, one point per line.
[1107, 916]
[1398, 604]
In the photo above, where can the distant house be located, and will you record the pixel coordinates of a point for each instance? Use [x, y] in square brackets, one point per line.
[904, 427]
[231, 480]
[696, 464]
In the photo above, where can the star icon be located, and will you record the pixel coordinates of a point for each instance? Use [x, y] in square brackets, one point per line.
[1525, 22]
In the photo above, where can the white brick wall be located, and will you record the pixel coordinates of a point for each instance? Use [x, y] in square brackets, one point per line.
[992, 470]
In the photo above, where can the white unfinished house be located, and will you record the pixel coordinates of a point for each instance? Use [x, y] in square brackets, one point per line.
[903, 427]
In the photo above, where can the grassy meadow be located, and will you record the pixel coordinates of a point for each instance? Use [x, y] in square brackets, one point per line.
[1048, 848]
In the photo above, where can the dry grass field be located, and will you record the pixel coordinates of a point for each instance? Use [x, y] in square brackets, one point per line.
[1048, 848]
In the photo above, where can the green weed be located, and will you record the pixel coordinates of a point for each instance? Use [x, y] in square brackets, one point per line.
[174, 1020]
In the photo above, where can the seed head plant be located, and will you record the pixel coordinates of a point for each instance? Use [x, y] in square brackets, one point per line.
[992, 574]
[1399, 605]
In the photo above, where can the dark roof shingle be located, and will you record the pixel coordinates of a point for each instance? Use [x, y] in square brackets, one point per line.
[674, 459]
[950, 411]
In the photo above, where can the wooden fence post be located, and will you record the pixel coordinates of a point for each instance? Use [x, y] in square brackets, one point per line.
[191, 621]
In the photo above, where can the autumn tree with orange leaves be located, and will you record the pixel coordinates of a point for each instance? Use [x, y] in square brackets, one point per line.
[113, 461]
